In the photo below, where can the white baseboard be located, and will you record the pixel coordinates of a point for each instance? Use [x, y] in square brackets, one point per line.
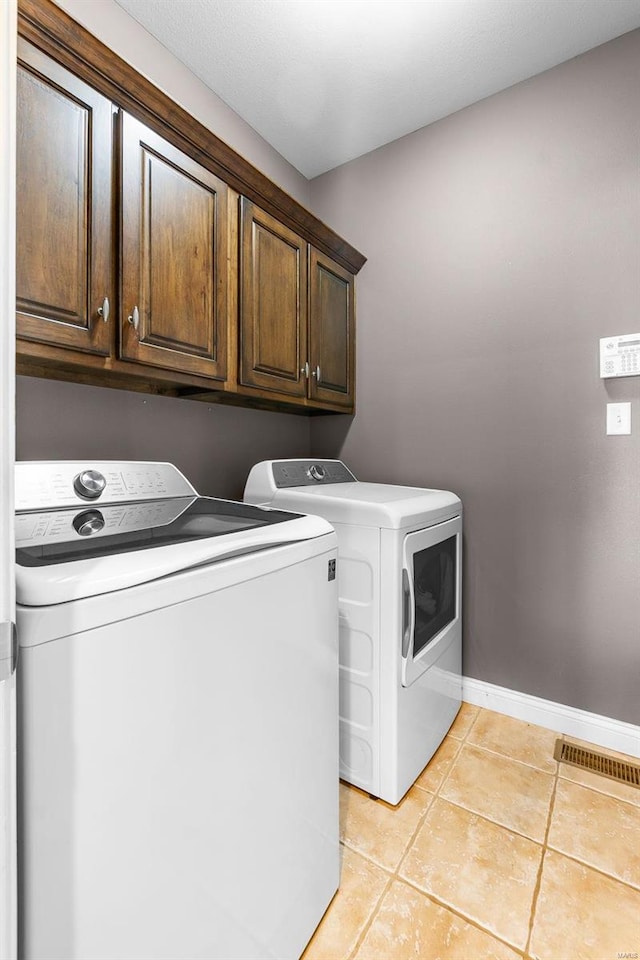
[603, 731]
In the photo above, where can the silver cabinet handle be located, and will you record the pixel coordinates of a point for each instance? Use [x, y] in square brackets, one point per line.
[104, 310]
[305, 370]
[316, 373]
[134, 318]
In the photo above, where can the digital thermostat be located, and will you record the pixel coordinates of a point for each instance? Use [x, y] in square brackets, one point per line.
[620, 356]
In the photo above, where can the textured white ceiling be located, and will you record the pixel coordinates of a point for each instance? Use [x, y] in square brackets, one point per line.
[324, 81]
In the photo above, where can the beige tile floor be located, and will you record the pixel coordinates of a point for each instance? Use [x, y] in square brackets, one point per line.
[497, 852]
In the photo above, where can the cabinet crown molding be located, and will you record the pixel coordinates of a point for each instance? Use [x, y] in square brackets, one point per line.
[48, 27]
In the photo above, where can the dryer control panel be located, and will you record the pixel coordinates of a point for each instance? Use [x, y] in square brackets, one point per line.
[303, 473]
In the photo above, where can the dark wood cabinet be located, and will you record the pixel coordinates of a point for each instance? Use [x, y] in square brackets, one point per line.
[151, 256]
[173, 214]
[64, 206]
[273, 304]
[173, 256]
[331, 331]
[296, 315]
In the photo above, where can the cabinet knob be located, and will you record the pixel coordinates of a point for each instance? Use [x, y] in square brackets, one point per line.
[134, 318]
[316, 373]
[305, 370]
[104, 310]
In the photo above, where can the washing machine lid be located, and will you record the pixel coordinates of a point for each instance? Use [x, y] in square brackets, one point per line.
[55, 563]
[346, 500]
[132, 536]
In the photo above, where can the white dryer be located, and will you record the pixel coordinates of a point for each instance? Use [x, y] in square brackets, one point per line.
[399, 586]
[177, 719]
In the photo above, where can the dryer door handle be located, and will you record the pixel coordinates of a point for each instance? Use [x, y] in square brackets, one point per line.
[408, 612]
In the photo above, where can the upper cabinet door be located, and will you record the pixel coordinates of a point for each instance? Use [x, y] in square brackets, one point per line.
[64, 239]
[331, 331]
[174, 257]
[273, 304]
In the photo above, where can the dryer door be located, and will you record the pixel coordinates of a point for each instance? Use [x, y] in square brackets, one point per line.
[431, 586]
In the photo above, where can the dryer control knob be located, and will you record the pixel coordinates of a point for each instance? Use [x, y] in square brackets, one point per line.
[89, 484]
[88, 522]
[316, 471]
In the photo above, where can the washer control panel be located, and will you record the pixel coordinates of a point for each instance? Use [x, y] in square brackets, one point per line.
[304, 473]
[45, 485]
[37, 528]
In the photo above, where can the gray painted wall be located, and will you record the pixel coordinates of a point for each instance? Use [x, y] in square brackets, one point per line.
[214, 446]
[502, 243]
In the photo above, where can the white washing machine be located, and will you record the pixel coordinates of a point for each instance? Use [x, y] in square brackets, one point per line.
[178, 719]
[399, 584]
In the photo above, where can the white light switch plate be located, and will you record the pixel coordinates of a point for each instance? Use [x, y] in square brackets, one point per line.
[618, 419]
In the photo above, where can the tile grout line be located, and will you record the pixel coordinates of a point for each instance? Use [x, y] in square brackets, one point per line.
[505, 756]
[557, 776]
[495, 823]
[474, 812]
[442, 903]
[465, 740]
[418, 827]
[392, 875]
[461, 743]
[456, 911]
[472, 725]
[538, 886]
[590, 866]
[369, 923]
[395, 875]
[434, 795]
[547, 848]
[600, 793]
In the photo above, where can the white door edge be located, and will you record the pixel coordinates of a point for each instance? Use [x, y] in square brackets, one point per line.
[8, 894]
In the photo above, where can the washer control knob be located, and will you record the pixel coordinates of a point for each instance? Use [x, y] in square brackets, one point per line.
[89, 484]
[88, 522]
[316, 472]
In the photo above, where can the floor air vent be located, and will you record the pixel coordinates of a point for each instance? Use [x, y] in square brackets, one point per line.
[597, 763]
